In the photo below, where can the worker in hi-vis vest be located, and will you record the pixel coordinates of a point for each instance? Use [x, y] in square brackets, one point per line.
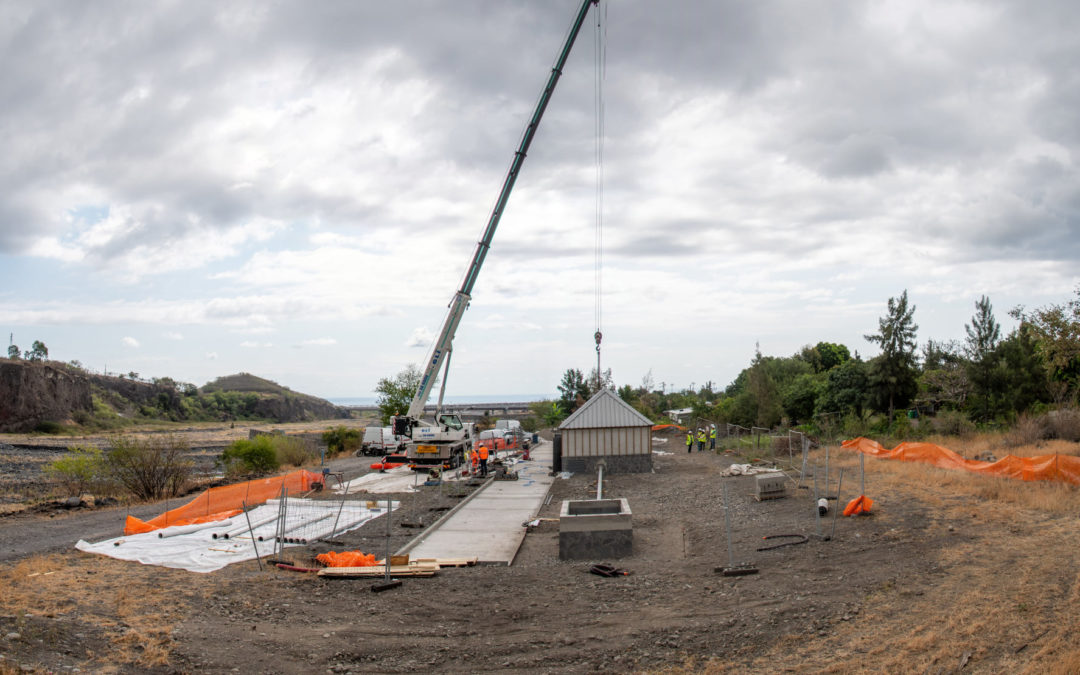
[700, 440]
[483, 459]
[689, 440]
[712, 437]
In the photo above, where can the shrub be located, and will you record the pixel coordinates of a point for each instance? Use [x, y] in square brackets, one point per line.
[149, 468]
[250, 456]
[341, 439]
[952, 423]
[78, 470]
[293, 451]
[49, 427]
[1027, 430]
[1065, 424]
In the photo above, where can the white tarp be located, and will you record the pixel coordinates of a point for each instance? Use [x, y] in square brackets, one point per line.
[201, 552]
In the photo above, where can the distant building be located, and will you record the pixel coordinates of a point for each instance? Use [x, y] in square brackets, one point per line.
[677, 415]
[609, 429]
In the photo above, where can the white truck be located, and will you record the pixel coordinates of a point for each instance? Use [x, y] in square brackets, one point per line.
[445, 441]
[380, 441]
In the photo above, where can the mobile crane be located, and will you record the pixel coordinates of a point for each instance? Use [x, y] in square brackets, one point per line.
[444, 442]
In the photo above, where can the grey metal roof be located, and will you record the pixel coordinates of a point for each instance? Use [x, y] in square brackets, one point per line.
[605, 410]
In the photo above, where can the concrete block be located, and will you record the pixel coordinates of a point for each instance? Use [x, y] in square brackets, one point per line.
[595, 529]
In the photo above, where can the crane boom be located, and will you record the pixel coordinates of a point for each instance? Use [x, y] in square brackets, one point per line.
[442, 345]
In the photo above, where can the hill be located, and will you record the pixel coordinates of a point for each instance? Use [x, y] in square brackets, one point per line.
[46, 396]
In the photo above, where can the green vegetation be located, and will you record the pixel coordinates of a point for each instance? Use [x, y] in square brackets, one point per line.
[79, 470]
[149, 468]
[396, 394]
[341, 440]
[265, 453]
[250, 456]
[990, 380]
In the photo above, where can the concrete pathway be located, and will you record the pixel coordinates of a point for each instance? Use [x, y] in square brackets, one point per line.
[488, 526]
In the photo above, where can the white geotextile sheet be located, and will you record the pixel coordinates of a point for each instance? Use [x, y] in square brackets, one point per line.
[200, 552]
[400, 479]
[748, 470]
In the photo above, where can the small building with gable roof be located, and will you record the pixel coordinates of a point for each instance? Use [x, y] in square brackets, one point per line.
[606, 428]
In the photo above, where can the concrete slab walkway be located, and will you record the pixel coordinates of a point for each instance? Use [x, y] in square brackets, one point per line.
[488, 527]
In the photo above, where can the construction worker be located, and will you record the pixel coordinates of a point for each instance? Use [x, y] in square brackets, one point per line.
[483, 460]
[700, 440]
[712, 437]
[689, 440]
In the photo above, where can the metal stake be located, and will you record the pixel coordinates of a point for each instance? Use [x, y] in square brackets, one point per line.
[251, 533]
[388, 506]
[817, 512]
[862, 474]
[839, 486]
[727, 525]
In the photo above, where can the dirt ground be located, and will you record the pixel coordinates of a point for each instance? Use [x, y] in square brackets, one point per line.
[951, 573]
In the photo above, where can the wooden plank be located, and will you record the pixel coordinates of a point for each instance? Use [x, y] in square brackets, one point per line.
[380, 570]
[446, 562]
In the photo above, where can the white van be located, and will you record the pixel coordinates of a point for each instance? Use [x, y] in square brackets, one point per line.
[379, 441]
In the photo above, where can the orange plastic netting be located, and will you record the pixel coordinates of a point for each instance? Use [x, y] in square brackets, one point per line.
[1045, 467]
[347, 559]
[224, 502]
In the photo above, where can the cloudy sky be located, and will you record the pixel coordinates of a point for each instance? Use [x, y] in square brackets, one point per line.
[293, 189]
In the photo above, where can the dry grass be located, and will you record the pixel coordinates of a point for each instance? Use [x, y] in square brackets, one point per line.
[1008, 599]
[132, 605]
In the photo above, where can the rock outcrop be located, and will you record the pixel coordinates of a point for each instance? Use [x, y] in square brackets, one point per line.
[35, 392]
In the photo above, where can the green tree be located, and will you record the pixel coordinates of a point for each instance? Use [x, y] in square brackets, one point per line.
[1057, 332]
[573, 390]
[824, 356]
[38, 351]
[396, 394]
[13, 351]
[800, 397]
[944, 382]
[983, 336]
[845, 390]
[893, 374]
[1024, 374]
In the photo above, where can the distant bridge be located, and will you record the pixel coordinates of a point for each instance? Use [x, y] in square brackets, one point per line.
[471, 409]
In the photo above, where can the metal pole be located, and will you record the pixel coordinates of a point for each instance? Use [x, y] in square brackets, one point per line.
[251, 533]
[600, 482]
[389, 504]
[839, 486]
[817, 511]
[826, 471]
[862, 474]
[727, 526]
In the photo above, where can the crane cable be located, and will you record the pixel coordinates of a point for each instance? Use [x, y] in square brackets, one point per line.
[600, 68]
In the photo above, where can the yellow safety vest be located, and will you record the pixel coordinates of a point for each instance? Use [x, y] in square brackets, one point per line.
[712, 433]
[689, 438]
[701, 437]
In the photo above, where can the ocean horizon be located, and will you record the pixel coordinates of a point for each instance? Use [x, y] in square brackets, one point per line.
[455, 400]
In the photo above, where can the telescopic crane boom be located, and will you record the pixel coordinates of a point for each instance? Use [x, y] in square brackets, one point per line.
[443, 344]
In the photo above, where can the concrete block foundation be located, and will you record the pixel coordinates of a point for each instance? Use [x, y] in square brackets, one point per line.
[595, 529]
[613, 464]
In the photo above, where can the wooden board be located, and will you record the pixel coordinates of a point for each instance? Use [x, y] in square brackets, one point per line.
[380, 571]
[446, 562]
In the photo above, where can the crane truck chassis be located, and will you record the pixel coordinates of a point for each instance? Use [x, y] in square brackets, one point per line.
[444, 442]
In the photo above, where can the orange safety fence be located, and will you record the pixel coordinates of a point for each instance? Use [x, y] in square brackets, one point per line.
[223, 502]
[1044, 467]
[347, 559]
[661, 427]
